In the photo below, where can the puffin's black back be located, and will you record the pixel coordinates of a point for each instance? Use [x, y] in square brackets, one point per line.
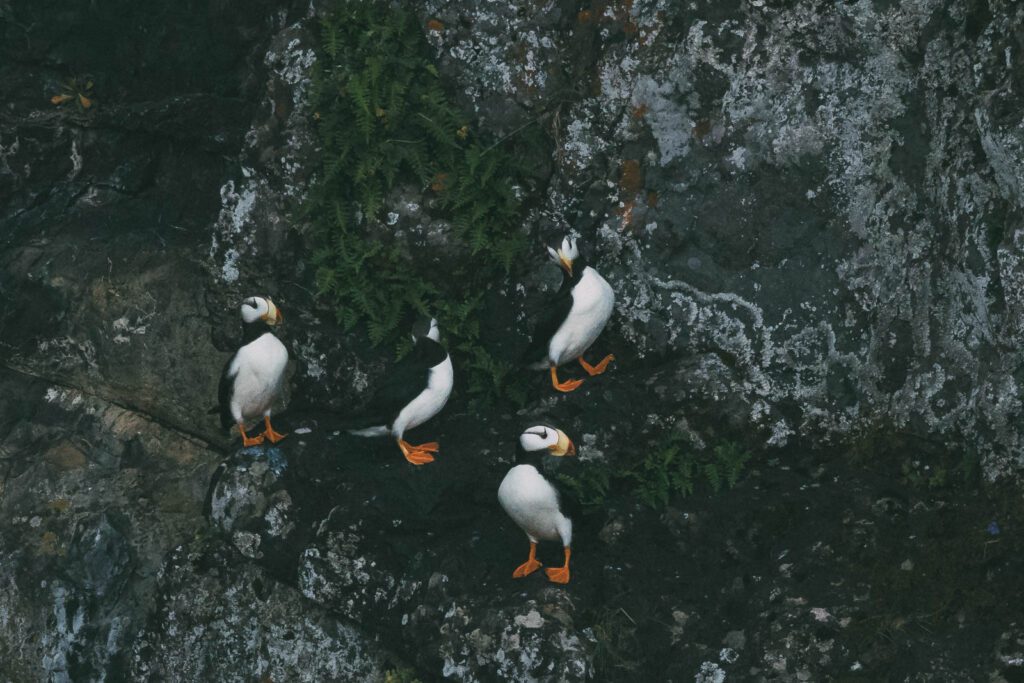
[400, 385]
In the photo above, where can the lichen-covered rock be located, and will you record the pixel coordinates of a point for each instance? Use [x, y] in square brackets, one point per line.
[223, 620]
[468, 637]
[812, 204]
[247, 504]
[93, 497]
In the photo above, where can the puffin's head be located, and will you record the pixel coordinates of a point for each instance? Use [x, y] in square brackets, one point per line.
[426, 327]
[565, 256]
[261, 308]
[546, 437]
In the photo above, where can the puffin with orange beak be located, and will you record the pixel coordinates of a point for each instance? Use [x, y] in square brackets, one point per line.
[252, 378]
[573, 320]
[532, 500]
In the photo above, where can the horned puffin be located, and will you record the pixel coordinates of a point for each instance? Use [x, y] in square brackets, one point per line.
[532, 500]
[573, 320]
[252, 378]
[414, 391]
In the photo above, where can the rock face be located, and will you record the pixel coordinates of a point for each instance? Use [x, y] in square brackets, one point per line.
[810, 215]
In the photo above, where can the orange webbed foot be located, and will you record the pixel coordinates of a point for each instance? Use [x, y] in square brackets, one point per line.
[530, 566]
[429, 447]
[269, 432]
[526, 568]
[566, 386]
[247, 440]
[414, 454]
[560, 574]
[599, 368]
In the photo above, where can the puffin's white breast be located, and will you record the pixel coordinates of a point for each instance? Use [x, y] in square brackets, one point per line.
[430, 401]
[532, 503]
[258, 369]
[592, 303]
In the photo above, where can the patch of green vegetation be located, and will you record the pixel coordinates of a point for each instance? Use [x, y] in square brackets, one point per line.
[401, 675]
[674, 470]
[592, 485]
[924, 463]
[386, 122]
[617, 642]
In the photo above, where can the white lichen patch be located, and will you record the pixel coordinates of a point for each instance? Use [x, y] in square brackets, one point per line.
[234, 225]
[67, 352]
[264, 195]
[710, 672]
[125, 328]
[505, 52]
[76, 158]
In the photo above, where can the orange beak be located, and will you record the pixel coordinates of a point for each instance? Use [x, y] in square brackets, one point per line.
[566, 264]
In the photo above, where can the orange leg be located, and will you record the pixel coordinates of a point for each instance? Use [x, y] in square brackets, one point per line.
[599, 368]
[415, 454]
[560, 574]
[269, 432]
[246, 441]
[530, 566]
[566, 386]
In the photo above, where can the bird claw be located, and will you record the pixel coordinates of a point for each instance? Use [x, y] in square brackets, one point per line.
[526, 568]
[600, 367]
[558, 574]
[417, 455]
[569, 385]
[566, 386]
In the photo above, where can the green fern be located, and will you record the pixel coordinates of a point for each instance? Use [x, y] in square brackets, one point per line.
[384, 121]
[592, 486]
[674, 470]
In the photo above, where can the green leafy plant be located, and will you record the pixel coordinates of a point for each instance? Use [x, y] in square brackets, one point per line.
[673, 470]
[676, 470]
[592, 485]
[400, 675]
[662, 473]
[617, 642]
[385, 122]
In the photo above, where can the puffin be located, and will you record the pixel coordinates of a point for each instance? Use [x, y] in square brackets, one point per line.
[534, 502]
[412, 392]
[252, 378]
[573, 320]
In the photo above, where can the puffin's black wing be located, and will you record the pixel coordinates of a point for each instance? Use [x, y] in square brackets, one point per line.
[400, 385]
[225, 390]
[556, 470]
[555, 313]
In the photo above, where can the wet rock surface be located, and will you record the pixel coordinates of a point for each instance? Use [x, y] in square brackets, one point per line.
[810, 214]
